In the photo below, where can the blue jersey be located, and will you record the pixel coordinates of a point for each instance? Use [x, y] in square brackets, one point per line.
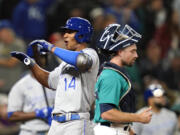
[29, 20]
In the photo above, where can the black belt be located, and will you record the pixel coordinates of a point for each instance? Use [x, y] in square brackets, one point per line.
[105, 124]
[126, 128]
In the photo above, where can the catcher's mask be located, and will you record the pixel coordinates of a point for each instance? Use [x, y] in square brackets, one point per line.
[114, 38]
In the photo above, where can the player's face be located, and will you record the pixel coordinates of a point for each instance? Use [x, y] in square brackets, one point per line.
[129, 55]
[69, 40]
[158, 102]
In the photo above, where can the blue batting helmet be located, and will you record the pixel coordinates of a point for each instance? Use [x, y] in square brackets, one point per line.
[30, 51]
[114, 37]
[82, 26]
[154, 90]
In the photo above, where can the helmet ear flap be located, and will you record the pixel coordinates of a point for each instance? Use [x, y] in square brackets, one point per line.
[79, 37]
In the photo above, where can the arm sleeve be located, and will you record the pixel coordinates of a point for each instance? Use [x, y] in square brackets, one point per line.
[104, 107]
[69, 57]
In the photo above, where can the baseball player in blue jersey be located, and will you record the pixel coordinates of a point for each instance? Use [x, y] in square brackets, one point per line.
[73, 79]
[31, 103]
[114, 95]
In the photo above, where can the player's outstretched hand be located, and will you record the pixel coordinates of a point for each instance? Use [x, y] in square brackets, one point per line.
[23, 58]
[146, 115]
[44, 113]
[44, 44]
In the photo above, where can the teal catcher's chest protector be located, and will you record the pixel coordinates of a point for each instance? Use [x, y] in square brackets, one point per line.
[127, 101]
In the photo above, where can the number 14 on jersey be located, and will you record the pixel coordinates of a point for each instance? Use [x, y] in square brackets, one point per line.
[70, 84]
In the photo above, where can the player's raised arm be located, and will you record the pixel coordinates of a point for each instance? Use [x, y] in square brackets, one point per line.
[40, 74]
[81, 30]
[80, 60]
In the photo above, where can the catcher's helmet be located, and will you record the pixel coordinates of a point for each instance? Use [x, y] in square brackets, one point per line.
[82, 26]
[154, 90]
[114, 37]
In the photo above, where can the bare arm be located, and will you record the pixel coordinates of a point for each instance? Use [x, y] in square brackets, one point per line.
[117, 116]
[21, 116]
[11, 62]
[40, 74]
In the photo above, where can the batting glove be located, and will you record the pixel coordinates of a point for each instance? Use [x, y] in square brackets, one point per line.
[43, 113]
[44, 44]
[23, 58]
